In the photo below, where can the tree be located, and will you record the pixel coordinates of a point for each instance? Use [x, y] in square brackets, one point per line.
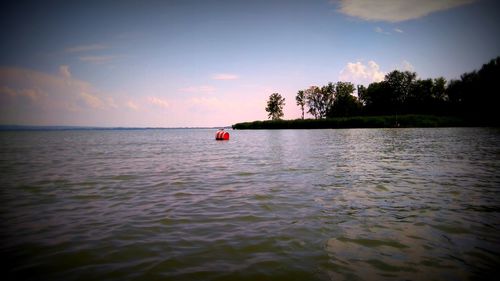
[454, 94]
[438, 89]
[301, 101]
[400, 84]
[275, 106]
[389, 96]
[476, 94]
[313, 100]
[344, 103]
[320, 100]
[362, 94]
[376, 98]
[343, 89]
[419, 99]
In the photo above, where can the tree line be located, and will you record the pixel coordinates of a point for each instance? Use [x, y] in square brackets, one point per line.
[475, 95]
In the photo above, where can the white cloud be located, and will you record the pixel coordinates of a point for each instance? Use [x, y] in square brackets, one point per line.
[398, 30]
[64, 71]
[199, 89]
[396, 10]
[85, 48]
[225, 76]
[360, 73]
[159, 102]
[97, 59]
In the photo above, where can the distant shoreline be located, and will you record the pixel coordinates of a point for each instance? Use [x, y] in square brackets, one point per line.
[84, 128]
[387, 121]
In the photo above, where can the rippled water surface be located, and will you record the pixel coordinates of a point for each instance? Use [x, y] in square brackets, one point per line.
[374, 204]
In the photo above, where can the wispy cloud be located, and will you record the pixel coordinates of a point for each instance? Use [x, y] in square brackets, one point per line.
[32, 94]
[91, 100]
[85, 48]
[64, 71]
[198, 89]
[132, 105]
[360, 73]
[211, 102]
[225, 76]
[379, 29]
[159, 102]
[29, 96]
[395, 10]
[111, 102]
[97, 59]
[407, 66]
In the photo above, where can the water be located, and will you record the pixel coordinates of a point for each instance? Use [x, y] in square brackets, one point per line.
[374, 204]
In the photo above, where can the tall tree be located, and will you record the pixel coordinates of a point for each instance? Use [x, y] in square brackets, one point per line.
[400, 84]
[344, 104]
[419, 98]
[320, 100]
[362, 94]
[275, 106]
[377, 98]
[439, 88]
[476, 93]
[391, 95]
[343, 89]
[313, 100]
[301, 101]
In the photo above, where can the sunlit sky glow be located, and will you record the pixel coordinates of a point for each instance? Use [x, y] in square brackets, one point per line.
[215, 63]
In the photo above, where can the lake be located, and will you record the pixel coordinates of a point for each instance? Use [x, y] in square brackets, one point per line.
[174, 204]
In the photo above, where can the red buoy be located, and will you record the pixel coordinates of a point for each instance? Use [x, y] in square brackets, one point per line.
[222, 135]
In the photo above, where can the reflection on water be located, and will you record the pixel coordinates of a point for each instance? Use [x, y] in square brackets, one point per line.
[400, 204]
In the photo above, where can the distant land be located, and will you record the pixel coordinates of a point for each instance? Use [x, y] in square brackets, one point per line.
[84, 128]
[389, 121]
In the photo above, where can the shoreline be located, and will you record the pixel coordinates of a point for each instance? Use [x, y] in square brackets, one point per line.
[385, 121]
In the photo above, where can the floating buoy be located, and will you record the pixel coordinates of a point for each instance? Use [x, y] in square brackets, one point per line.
[222, 135]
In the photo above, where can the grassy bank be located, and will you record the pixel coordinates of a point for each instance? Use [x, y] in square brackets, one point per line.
[405, 121]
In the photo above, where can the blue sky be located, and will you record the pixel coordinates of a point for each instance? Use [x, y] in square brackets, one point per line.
[213, 63]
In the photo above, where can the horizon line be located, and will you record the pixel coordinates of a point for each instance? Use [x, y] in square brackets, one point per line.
[77, 127]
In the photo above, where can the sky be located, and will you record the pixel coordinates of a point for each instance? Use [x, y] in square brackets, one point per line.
[214, 63]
